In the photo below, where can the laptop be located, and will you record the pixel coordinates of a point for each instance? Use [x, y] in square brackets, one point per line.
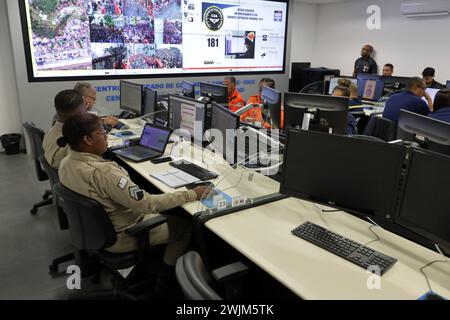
[151, 145]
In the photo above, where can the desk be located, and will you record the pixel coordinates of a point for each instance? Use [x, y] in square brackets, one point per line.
[263, 235]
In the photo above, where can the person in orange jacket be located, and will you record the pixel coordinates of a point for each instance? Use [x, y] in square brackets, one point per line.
[255, 115]
[235, 100]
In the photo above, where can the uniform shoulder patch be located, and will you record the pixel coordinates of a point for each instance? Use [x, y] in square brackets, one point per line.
[122, 183]
[136, 193]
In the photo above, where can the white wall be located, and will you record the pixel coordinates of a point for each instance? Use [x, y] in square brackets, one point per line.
[9, 106]
[303, 20]
[409, 44]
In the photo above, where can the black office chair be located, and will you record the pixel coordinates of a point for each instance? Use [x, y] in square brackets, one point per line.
[314, 88]
[382, 128]
[91, 231]
[35, 137]
[197, 284]
[62, 218]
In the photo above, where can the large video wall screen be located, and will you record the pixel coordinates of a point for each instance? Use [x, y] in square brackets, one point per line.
[66, 39]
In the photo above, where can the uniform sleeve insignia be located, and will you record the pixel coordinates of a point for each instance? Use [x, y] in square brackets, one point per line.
[136, 193]
[122, 183]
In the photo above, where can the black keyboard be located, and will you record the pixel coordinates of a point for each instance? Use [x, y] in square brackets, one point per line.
[343, 247]
[194, 170]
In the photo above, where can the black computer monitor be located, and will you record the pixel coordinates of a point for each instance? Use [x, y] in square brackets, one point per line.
[448, 83]
[272, 99]
[343, 172]
[425, 208]
[429, 133]
[330, 113]
[214, 92]
[370, 89]
[396, 83]
[157, 113]
[131, 96]
[188, 89]
[188, 114]
[226, 122]
[368, 76]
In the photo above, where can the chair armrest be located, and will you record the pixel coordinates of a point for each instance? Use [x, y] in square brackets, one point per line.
[229, 272]
[145, 226]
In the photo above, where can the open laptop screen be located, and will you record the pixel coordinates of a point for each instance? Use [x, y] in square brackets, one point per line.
[154, 137]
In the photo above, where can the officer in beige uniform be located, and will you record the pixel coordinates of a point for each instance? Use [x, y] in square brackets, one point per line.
[67, 104]
[86, 172]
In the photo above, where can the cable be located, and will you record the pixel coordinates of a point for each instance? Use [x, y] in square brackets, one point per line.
[374, 224]
[431, 263]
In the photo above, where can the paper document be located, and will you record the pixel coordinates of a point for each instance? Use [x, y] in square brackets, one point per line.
[174, 178]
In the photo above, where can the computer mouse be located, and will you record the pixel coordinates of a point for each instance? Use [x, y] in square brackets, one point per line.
[201, 183]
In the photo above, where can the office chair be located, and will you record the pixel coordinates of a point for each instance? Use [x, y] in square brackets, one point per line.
[382, 128]
[36, 136]
[62, 218]
[91, 231]
[197, 284]
[314, 88]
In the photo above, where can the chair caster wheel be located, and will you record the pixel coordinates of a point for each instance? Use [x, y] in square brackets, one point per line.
[46, 196]
[33, 211]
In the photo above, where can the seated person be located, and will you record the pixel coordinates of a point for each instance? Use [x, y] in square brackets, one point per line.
[255, 114]
[410, 100]
[84, 171]
[89, 94]
[428, 77]
[67, 104]
[388, 70]
[235, 100]
[441, 106]
[354, 98]
[341, 91]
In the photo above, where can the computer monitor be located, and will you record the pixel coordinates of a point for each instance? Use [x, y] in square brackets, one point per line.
[188, 114]
[425, 207]
[396, 83]
[226, 122]
[334, 83]
[367, 76]
[369, 89]
[272, 99]
[214, 92]
[343, 172]
[448, 83]
[131, 96]
[157, 113]
[329, 114]
[430, 133]
[188, 89]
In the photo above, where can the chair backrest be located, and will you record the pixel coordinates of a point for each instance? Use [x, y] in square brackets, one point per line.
[90, 226]
[194, 279]
[382, 128]
[52, 173]
[368, 138]
[36, 136]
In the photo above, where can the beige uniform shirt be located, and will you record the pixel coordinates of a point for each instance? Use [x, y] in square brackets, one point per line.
[52, 152]
[125, 203]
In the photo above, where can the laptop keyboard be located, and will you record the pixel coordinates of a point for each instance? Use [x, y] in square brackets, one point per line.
[139, 152]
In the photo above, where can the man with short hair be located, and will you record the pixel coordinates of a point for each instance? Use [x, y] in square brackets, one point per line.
[235, 100]
[89, 94]
[365, 64]
[388, 70]
[410, 100]
[428, 76]
[67, 104]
